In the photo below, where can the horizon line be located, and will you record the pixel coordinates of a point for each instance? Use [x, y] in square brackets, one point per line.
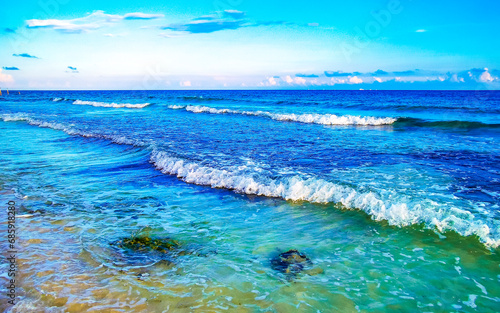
[263, 89]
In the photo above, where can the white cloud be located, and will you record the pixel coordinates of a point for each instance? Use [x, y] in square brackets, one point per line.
[336, 80]
[480, 75]
[300, 80]
[142, 16]
[233, 11]
[5, 78]
[92, 21]
[420, 31]
[455, 79]
[67, 26]
[486, 77]
[392, 79]
[185, 83]
[272, 81]
[355, 80]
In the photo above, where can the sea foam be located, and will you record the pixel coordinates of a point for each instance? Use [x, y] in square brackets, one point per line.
[308, 118]
[70, 130]
[396, 210]
[112, 105]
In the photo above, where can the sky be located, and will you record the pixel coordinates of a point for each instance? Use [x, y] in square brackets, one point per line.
[243, 44]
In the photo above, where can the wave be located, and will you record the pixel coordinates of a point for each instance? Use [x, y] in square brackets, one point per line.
[112, 105]
[398, 213]
[176, 107]
[332, 119]
[70, 130]
[395, 209]
[415, 122]
[312, 118]
[60, 99]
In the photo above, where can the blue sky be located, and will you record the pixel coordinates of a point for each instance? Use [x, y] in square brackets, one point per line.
[243, 44]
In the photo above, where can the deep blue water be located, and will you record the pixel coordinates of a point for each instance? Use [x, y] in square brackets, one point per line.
[413, 161]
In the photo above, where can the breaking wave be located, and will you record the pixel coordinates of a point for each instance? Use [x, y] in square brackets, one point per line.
[59, 99]
[312, 118]
[112, 105]
[396, 212]
[332, 119]
[389, 206]
[69, 129]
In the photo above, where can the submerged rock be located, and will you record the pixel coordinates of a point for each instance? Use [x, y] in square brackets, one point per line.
[146, 243]
[142, 252]
[291, 262]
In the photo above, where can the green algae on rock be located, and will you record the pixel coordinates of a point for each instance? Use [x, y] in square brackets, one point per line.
[146, 243]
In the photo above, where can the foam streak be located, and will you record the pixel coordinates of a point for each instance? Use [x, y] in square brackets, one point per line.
[112, 105]
[313, 118]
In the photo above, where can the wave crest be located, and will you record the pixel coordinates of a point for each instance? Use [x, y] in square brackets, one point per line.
[308, 118]
[122, 140]
[396, 211]
[112, 105]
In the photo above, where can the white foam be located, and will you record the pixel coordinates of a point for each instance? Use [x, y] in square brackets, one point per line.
[69, 129]
[396, 210]
[176, 107]
[112, 105]
[312, 118]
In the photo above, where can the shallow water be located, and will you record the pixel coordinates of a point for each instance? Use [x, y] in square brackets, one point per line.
[401, 216]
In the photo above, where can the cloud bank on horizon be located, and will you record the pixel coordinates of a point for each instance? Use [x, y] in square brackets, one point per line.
[240, 45]
[383, 79]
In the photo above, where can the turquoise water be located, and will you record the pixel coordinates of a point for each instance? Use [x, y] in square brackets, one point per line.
[392, 195]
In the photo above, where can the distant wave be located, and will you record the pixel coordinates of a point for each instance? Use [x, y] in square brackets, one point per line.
[332, 119]
[313, 118]
[396, 210]
[112, 105]
[61, 99]
[69, 129]
[176, 107]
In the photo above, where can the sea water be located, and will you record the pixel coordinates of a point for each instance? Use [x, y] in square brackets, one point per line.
[392, 195]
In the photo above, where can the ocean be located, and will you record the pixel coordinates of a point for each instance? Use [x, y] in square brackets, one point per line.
[393, 197]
